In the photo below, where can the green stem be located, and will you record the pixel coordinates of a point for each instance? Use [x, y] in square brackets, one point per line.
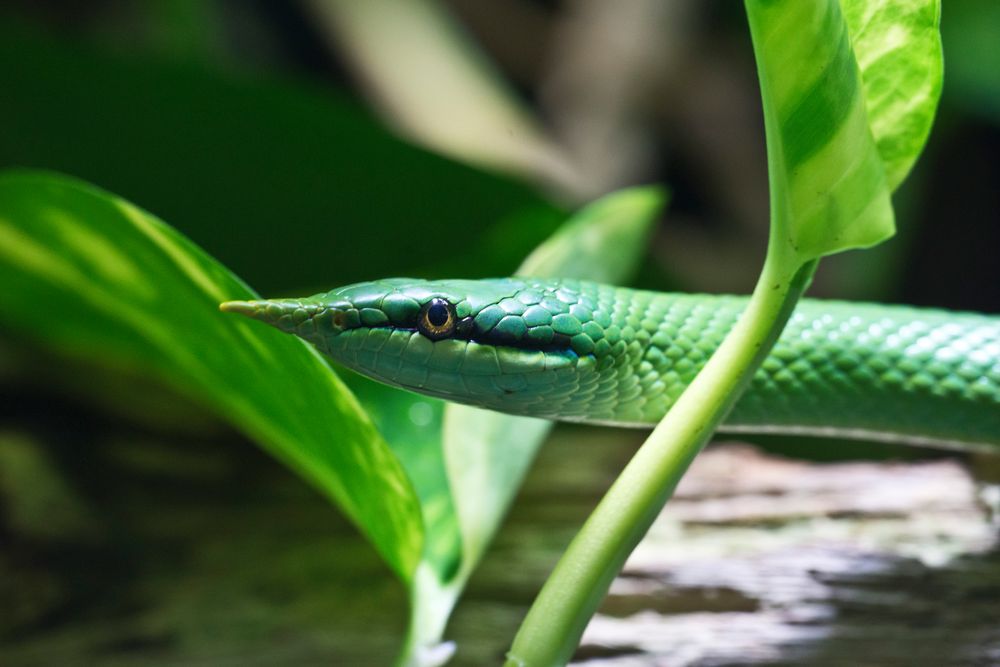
[431, 602]
[552, 629]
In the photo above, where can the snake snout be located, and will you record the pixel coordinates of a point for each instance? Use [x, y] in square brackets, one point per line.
[289, 315]
[248, 308]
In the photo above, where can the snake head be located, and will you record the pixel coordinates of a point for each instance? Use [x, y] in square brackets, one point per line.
[491, 343]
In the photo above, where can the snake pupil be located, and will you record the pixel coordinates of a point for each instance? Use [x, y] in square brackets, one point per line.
[437, 319]
[438, 314]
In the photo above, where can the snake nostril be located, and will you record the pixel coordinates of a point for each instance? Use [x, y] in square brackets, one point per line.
[338, 319]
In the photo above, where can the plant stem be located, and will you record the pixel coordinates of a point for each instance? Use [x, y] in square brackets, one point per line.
[552, 629]
[431, 602]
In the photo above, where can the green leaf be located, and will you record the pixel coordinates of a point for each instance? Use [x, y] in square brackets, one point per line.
[96, 278]
[411, 425]
[828, 185]
[897, 44]
[488, 453]
[602, 242]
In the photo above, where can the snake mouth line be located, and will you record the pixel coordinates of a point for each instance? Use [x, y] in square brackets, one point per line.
[563, 346]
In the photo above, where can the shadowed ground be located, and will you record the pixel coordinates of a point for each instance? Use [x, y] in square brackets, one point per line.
[135, 545]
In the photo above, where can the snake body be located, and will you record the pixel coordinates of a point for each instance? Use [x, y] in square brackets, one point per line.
[579, 351]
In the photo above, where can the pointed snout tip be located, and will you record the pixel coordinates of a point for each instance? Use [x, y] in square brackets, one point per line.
[248, 308]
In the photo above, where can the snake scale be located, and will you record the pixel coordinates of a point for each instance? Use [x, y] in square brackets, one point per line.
[580, 351]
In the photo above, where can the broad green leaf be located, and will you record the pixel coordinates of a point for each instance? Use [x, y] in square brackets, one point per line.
[828, 185]
[602, 242]
[897, 44]
[411, 425]
[488, 453]
[94, 277]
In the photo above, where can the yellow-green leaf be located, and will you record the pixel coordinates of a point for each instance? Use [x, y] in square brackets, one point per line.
[829, 190]
[93, 277]
[897, 44]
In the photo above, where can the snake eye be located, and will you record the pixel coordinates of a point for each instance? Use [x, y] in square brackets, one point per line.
[436, 319]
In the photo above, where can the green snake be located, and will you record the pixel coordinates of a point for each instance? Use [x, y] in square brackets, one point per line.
[579, 351]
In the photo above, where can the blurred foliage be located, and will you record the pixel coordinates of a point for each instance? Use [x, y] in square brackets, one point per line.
[970, 34]
[282, 182]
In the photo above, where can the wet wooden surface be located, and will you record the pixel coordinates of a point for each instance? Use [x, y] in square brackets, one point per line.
[763, 560]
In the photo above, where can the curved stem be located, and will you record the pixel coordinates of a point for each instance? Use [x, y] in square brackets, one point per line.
[556, 620]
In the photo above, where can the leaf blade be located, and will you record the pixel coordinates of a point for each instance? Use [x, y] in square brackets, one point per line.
[130, 290]
[897, 44]
[829, 190]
